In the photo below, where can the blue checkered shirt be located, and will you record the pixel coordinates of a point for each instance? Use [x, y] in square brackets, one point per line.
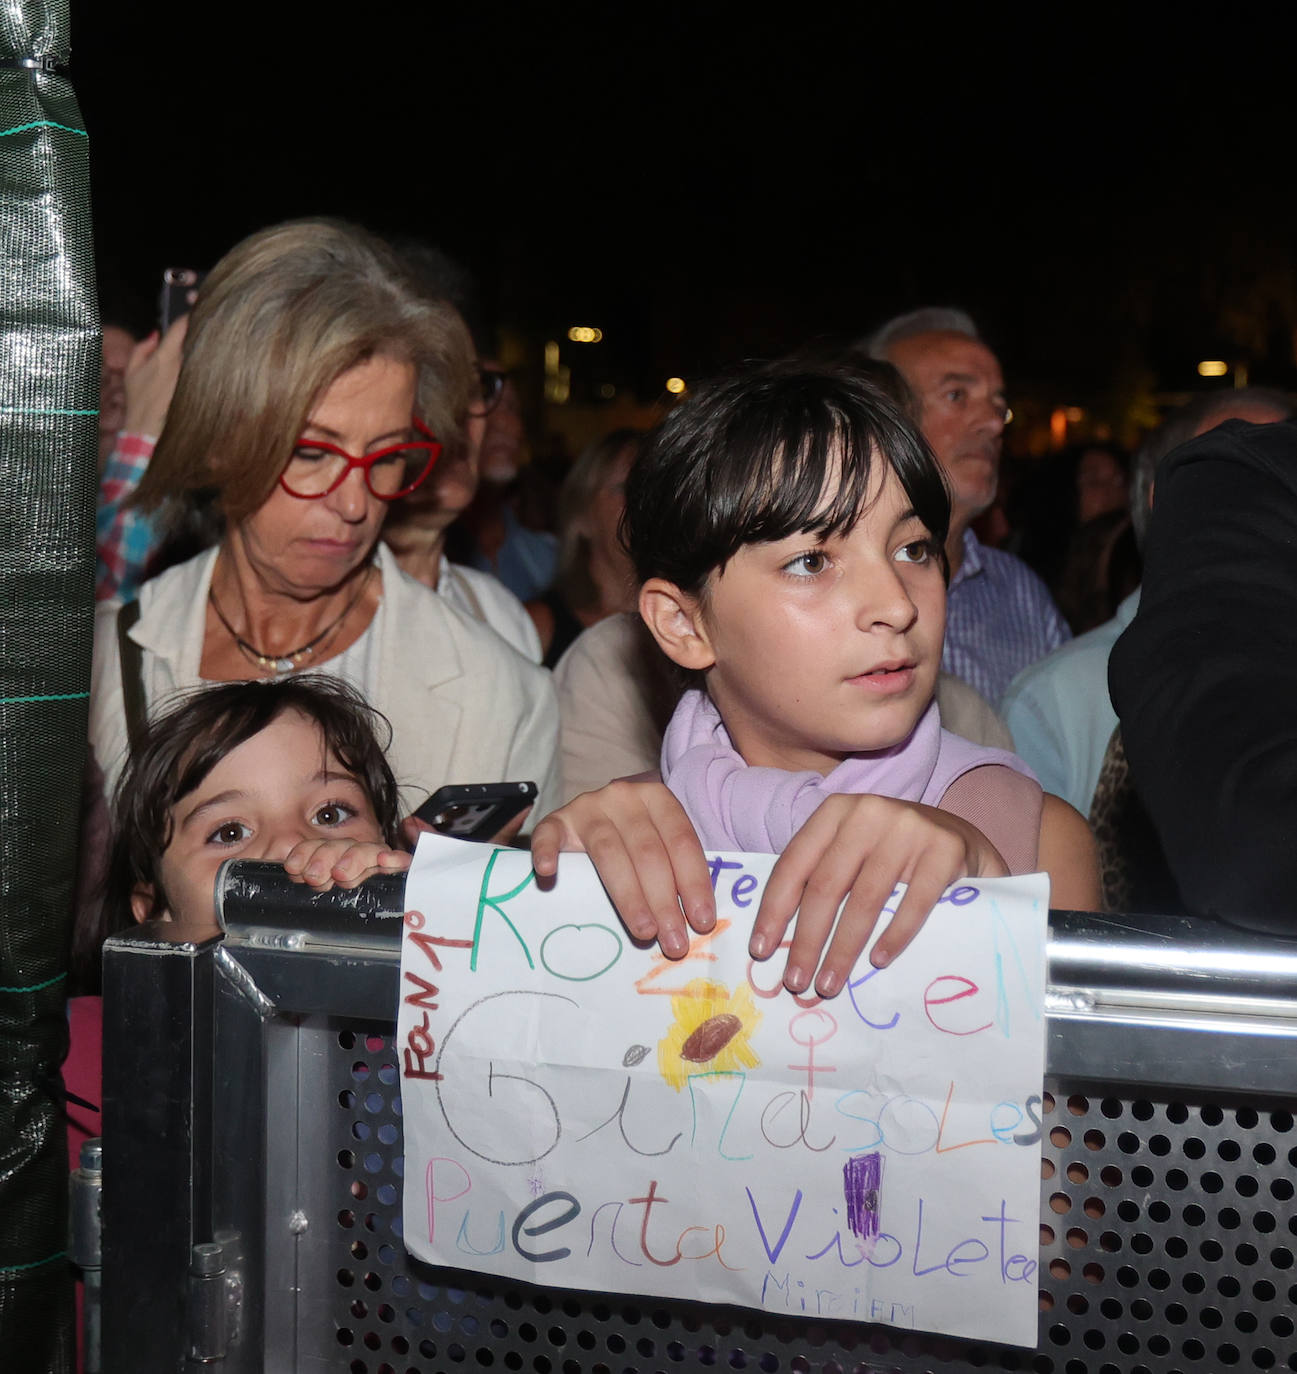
[1000, 617]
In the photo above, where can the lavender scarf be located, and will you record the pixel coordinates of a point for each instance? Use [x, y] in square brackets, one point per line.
[758, 810]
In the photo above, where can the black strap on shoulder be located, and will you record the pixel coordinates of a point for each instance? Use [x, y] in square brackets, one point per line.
[132, 664]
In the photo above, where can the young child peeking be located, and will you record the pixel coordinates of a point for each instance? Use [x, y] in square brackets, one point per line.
[787, 526]
[291, 770]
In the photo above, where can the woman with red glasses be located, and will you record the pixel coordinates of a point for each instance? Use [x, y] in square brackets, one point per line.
[317, 388]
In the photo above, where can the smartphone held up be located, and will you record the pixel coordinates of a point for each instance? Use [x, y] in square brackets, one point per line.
[476, 810]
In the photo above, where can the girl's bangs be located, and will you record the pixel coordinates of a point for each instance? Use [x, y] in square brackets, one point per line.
[794, 491]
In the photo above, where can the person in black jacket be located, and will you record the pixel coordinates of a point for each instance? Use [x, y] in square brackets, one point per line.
[1204, 679]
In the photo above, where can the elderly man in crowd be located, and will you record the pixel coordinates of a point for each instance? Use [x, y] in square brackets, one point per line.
[1000, 616]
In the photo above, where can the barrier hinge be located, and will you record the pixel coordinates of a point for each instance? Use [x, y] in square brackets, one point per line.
[85, 1247]
[213, 1303]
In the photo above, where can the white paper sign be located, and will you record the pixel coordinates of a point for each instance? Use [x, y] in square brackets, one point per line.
[584, 1113]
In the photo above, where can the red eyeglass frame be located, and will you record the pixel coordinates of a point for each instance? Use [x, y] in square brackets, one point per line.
[431, 443]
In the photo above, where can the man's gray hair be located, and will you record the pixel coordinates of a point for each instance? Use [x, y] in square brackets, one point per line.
[932, 319]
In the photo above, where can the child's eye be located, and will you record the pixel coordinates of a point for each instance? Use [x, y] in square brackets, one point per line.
[917, 551]
[333, 813]
[229, 832]
[807, 564]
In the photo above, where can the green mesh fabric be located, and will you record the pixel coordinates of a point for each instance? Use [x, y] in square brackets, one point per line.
[49, 368]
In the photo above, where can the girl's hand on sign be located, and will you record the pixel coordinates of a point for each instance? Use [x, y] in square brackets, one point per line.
[857, 848]
[646, 853]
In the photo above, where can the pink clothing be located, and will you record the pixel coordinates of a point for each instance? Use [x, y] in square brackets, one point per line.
[758, 810]
[83, 1077]
[83, 1072]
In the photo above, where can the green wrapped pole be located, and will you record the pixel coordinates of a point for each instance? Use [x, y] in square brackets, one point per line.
[49, 370]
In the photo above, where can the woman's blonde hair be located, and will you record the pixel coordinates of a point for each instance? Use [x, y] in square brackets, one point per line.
[280, 317]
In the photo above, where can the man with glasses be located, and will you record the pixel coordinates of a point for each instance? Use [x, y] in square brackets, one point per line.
[999, 616]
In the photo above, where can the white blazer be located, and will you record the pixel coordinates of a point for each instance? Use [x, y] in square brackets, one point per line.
[464, 705]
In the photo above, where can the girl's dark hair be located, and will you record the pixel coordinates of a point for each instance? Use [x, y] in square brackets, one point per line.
[744, 461]
[182, 746]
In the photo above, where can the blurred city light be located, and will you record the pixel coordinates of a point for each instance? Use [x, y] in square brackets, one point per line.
[675, 385]
[1212, 367]
[558, 379]
[584, 333]
[1058, 426]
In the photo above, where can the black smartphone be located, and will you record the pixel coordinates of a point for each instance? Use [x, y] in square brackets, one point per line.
[476, 810]
[179, 291]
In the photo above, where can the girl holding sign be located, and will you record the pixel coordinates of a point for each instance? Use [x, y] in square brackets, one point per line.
[787, 527]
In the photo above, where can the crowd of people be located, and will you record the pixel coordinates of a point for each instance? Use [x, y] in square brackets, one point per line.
[792, 618]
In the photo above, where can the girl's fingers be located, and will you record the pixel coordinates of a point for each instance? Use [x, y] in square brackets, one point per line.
[546, 842]
[838, 875]
[646, 854]
[789, 878]
[691, 876]
[814, 923]
[922, 894]
[639, 870]
[840, 858]
[866, 901]
[637, 875]
[862, 884]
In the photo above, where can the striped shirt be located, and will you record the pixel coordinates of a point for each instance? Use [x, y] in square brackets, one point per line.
[1000, 617]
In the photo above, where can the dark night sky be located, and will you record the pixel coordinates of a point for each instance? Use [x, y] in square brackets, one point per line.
[710, 187]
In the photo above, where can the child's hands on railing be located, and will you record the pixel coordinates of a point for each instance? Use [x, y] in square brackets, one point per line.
[322, 863]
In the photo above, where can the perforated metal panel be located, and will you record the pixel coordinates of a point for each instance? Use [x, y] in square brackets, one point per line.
[258, 1104]
[1167, 1236]
[1163, 1224]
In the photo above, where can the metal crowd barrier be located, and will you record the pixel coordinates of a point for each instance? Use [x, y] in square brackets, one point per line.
[252, 1171]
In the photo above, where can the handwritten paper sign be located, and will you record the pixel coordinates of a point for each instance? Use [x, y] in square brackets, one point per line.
[588, 1114]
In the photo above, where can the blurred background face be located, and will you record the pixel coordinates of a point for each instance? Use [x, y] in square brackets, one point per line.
[1101, 485]
[603, 517]
[504, 439]
[117, 346]
[450, 487]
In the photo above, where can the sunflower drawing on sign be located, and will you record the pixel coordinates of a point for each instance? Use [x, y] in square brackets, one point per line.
[712, 1030]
